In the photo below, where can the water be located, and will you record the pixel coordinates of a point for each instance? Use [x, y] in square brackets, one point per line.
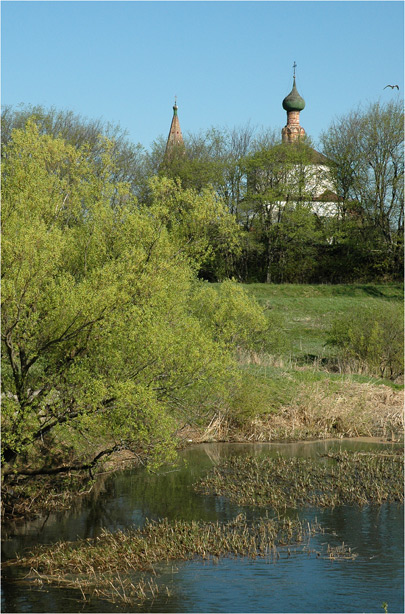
[296, 583]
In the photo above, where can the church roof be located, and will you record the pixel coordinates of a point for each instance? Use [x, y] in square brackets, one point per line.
[317, 157]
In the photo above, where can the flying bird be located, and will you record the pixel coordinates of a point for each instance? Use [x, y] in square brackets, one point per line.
[392, 87]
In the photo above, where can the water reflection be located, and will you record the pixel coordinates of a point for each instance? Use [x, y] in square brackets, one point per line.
[300, 583]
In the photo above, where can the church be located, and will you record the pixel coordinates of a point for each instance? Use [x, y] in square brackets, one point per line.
[318, 180]
[318, 184]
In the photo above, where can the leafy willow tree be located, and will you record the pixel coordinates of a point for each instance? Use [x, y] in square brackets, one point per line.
[102, 346]
[199, 221]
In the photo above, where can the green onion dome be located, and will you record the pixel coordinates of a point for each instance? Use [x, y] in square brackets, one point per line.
[293, 102]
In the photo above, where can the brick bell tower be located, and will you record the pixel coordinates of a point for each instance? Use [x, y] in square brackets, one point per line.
[293, 104]
[175, 137]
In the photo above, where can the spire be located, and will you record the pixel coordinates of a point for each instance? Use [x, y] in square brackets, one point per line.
[175, 137]
[293, 104]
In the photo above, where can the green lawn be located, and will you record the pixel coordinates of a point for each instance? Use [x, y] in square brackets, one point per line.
[305, 312]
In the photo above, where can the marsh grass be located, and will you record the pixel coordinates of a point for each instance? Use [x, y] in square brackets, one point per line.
[106, 565]
[112, 587]
[330, 408]
[280, 483]
[277, 404]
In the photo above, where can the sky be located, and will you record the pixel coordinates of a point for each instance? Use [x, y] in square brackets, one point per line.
[228, 62]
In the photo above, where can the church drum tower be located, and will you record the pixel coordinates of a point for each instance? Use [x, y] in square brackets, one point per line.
[293, 104]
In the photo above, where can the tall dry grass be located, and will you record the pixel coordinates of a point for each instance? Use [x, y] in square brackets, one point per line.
[347, 410]
[321, 410]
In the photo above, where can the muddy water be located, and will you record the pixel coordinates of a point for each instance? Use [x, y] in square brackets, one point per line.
[296, 582]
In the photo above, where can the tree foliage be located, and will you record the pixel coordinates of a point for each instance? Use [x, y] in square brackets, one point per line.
[268, 226]
[101, 342]
[367, 165]
[128, 160]
[198, 221]
[282, 183]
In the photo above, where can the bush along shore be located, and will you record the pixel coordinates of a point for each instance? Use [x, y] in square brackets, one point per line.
[122, 566]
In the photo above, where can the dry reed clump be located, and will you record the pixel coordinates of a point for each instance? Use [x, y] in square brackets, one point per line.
[320, 410]
[341, 478]
[104, 566]
[112, 587]
[218, 429]
[327, 409]
[349, 410]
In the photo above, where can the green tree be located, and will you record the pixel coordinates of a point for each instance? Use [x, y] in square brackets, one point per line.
[282, 182]
[371, 340]
[215, 159]
[100, 345]
[366, 151]
[198, 221]
[231, 318]
[200, 163]
[128, 160]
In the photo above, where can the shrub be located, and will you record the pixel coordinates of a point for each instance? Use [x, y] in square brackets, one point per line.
[232, 316]
[371, 339]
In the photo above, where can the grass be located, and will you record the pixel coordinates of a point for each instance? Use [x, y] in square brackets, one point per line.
[307, 311]
[106, 565]
[291, 375]
[344, 478]
[299, 387]
[388, 291]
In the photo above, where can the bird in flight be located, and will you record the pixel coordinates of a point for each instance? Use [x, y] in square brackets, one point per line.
[392, 87]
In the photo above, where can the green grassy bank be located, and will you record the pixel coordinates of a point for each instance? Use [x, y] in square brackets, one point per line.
[288, 384]
[306, 312]
[299, 386]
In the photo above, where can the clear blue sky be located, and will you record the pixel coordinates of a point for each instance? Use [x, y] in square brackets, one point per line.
[228, 62]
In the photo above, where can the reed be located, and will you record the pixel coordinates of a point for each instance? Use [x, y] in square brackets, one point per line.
[105, 566]
[336, 479]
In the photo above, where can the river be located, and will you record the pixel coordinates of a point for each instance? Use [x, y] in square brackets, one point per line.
[299, 582]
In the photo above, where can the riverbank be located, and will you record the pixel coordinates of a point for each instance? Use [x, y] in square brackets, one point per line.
[301, 387]
[295, 388]
[320, 410]
[323, 410]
